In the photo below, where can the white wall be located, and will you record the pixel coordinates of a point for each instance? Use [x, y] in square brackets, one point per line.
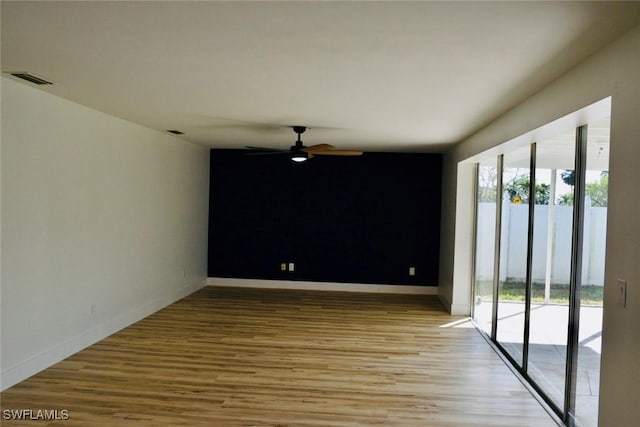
[100, 218]
[613, 71]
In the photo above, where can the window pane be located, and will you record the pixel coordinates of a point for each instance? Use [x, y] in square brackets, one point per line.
[513, 252]
[551, 265]
[592, 286]
[485, 243]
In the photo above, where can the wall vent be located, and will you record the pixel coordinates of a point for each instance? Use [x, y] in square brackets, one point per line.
[31, 78]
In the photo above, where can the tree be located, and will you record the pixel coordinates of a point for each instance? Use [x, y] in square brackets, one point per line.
[518, 191]
[597, 192]
[543, 192]
[566, 199]
[487, 182]
[569, 177]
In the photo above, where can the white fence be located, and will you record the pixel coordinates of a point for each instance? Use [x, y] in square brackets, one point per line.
[514, 249]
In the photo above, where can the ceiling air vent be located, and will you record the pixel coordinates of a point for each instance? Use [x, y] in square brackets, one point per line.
[32, 78]
[175, 132]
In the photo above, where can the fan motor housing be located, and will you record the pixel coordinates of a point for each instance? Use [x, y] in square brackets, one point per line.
[299, 129]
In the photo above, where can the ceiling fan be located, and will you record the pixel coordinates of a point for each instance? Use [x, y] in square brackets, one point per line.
[300, 153]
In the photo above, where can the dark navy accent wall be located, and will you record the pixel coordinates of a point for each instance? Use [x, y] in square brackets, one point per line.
[360, 219]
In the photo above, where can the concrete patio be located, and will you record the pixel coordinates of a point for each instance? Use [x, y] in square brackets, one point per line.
[547, 349]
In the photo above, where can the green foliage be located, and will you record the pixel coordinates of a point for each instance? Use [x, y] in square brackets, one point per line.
[566, 199]
[515, 291]
[518, 188]
[597, 192]
[511, 290]
[542, 194]
[569, 177]
[486, 194]
[487, 182]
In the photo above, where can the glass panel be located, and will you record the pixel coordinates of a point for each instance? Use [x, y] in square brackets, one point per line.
[485, 243]
[592, 286]
[551, 265]
[513, 252]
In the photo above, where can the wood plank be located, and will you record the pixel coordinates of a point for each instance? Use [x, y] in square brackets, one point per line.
[266, 357]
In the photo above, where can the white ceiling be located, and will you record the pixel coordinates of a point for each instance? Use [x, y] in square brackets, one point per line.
[380, 76]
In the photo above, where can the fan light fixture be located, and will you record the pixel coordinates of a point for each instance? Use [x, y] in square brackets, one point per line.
[299, 156]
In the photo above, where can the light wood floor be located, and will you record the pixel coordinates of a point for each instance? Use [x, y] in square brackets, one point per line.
[246, 357]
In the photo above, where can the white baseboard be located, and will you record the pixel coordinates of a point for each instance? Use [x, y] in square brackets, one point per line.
[459, 310]
[445, 301]
[322, 286]
[33, 365]
[455, 309]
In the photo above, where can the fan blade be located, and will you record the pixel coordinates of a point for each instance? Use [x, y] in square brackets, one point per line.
[265, 153]
[338, 153]
[317, 148]
[263, 148]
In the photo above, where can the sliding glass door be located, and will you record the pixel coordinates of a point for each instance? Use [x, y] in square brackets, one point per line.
[486, 198]
[539, 263]
[512, 285]
[551, 265]
[591, 286]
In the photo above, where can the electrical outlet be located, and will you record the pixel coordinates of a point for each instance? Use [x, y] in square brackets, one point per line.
[291, 266]
[412, 271]
[283, 266]
[621, 295]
